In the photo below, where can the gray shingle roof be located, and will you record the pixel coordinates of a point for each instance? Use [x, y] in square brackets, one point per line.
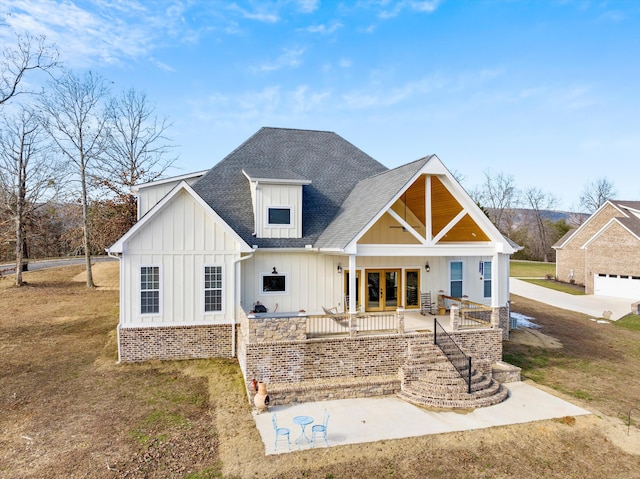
[333, 165]
[634, 205]
[366, 200]
[632, 224]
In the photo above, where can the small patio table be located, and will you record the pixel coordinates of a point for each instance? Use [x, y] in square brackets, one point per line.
[303, 422]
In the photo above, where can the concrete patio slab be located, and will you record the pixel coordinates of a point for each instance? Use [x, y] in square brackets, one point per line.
[354, 421]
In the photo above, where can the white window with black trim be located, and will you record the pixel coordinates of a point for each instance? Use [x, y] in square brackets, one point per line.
[213, 282]
[149, 289]
[280, 216]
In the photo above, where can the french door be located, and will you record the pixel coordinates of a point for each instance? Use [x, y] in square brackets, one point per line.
[383, 290]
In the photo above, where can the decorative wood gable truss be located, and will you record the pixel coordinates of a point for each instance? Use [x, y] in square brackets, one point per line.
[431, 209]
[426, 213]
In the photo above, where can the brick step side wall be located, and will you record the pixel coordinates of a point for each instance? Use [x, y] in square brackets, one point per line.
[436, 382]
[339, 388]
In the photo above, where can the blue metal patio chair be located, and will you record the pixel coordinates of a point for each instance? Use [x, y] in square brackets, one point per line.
[320, 429]
[281, 432]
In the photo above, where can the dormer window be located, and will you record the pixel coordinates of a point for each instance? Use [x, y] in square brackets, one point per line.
[279, 216]
[277, 202]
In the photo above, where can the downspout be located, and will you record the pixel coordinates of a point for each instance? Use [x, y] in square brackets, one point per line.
[236, 300]
[120, 290]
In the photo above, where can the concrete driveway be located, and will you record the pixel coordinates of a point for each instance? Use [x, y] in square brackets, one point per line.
[594, 306]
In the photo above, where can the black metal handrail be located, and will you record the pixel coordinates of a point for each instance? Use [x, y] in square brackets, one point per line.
[452, 351]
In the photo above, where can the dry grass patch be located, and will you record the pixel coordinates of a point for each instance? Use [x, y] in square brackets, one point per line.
[105, 275]
[67, 410]
[597, 364]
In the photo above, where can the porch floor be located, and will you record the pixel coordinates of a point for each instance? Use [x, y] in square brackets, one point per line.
[415, 322]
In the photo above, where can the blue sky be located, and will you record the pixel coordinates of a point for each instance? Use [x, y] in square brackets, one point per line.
[545, 91]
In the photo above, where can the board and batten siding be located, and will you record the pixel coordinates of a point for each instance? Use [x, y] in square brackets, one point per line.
[278, 195]
[150, 195]
[181, 240]
[312, 281]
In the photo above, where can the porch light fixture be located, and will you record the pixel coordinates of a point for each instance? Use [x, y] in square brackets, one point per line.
[274, 271]
[339, 268]
[427, 267]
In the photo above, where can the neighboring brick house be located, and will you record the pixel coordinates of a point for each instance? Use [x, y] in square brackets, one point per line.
[603, 254]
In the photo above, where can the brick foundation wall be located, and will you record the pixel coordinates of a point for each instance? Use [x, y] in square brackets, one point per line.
[483, 345]
[339, 368]
[175, 342]
[316, 359]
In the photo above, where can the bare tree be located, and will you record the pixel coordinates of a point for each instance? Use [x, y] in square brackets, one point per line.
[74, 116]
[27, 173]
[137, 150]
[499, 195]
[596, 193]
[540, 203]
[28, 54]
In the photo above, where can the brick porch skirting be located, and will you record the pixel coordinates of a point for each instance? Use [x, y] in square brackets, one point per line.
[175, 342]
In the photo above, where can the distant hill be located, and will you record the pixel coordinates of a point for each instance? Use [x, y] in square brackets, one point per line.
[552, 215]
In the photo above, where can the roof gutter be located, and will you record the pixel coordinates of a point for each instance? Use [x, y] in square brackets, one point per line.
[120, 297]
[236, 300]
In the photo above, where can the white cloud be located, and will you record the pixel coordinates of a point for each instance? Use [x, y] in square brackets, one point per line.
[162, 65]
[271, 105]
[307, 6]
[306, 101]
[395, 8]
[380, 97]
[291, 58]
[261, 15]
[99, 31]
[324, 29]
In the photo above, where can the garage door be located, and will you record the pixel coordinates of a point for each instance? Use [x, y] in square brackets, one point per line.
[617, 286]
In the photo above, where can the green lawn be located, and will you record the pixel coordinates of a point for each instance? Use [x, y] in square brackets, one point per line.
[532, 269]
[557, 285]
[536, 272]
[630, 322]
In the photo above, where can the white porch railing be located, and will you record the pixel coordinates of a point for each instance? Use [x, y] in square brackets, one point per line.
[344, 324]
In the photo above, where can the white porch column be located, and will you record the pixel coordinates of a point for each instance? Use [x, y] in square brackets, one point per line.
[353, 294]
[495, 290]
[495, 286]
